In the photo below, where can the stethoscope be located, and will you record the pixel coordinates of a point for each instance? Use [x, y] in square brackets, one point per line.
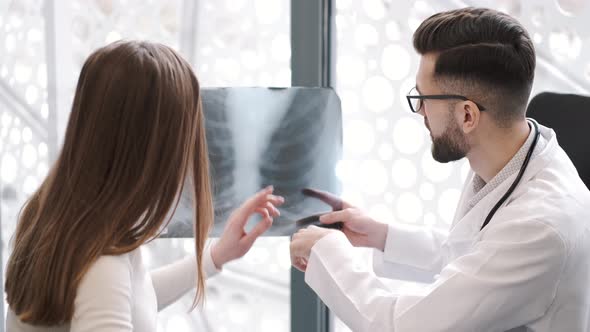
[518, 177]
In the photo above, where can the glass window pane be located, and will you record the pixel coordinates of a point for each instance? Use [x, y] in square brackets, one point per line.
[229, 43]
[23, 111]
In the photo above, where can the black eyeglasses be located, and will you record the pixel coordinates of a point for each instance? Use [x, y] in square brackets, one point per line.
[415, 99]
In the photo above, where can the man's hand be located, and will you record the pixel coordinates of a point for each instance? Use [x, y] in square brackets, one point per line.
[302, 243]
[360, 229]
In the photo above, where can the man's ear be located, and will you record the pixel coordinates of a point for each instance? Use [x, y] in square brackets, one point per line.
[468, 115]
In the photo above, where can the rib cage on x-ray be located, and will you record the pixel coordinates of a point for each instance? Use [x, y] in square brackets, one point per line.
[290, 138]
[221, 150]
[290, 159]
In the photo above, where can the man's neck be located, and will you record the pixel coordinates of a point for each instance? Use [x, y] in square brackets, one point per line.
[496, 149]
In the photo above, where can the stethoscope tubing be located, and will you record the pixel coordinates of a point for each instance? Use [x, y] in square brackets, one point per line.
[518, 177]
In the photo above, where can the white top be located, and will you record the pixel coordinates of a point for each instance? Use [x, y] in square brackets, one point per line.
[118, 294]
[527, 270]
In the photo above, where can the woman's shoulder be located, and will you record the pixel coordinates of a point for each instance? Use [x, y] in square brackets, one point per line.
[106, 286]
[111, 263]
[110, 270]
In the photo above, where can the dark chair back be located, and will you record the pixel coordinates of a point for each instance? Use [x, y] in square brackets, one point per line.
[569, 116]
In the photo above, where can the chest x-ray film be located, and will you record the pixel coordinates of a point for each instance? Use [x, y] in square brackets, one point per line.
[290, 138]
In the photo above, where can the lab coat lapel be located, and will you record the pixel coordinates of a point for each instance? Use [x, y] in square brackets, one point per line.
[465, 228]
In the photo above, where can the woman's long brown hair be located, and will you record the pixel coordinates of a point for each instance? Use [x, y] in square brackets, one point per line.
[135, 134]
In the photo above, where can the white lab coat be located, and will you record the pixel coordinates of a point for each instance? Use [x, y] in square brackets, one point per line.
[528, 270]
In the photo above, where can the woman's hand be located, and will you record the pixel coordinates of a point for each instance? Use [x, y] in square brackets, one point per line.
[235, 242]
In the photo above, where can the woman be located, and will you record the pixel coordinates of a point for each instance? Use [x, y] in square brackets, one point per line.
[135, 136]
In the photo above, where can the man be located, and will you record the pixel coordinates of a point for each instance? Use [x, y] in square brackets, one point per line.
[518, 263]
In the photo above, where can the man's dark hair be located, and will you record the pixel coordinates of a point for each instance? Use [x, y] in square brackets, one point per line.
[484, 53]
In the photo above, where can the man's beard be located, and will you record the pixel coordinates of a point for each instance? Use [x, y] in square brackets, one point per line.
[451, 145]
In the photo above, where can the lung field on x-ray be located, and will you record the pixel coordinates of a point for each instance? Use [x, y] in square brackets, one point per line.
[290, 138]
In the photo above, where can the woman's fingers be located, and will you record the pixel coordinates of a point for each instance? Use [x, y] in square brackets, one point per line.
[263, 212]
[272, 209]
[257, 200]
[275, 199]
[261, 227]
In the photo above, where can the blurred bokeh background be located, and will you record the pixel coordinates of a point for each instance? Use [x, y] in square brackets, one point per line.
[43, 44]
